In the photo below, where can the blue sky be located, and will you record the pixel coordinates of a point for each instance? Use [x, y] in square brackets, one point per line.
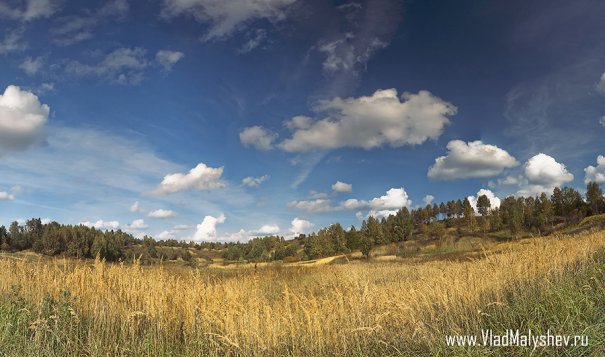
[221, 120]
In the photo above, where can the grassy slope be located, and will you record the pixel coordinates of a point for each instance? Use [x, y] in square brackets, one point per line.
[569, 302]
[574, 305]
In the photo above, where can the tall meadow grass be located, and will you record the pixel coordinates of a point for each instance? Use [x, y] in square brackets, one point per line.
[358, 308]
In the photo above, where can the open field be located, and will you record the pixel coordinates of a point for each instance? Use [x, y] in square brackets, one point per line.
[394, 306]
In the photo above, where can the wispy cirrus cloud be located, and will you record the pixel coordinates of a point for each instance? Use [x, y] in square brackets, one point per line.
[68, 30]
[12, 42]
[167, 59]
[226, 17]
[29, 10]
[32, 65]
[121, 66]
[389, 203]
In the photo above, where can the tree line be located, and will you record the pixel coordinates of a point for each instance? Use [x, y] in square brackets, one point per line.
[537, 215]
[74, 241]
[80, 241]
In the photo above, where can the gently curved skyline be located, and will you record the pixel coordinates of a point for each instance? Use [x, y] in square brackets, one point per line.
[213, 120]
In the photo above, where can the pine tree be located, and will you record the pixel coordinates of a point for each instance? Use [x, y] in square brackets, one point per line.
[483, 205]
[469, 215]
[442, 210]
[435, 211]
[374, 231]
[337, 236]
[546, 209]
[594, 198]
[512, 214]
[366, 241]
[353, 239]
[557, 201]
[459, 208]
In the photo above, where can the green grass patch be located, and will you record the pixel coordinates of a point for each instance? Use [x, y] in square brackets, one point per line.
[572, 306]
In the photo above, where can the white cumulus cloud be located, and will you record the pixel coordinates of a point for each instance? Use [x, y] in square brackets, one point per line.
[166, 235]
[201, 177]
[245, 235]
[267, 229]
[240, 236]
[257, 137]
[392, 200]
[543, 174]
[388, 204]
[373, 121]
[545, 170]
[161, 213]
[206, 231]
[299, 122]
[596, 173]
[254, 181]
[342, 187]
[317, 205]
[300, 226]
[136, 207]
[493, 200]
[428, 199]
[471, 160]
[102, 225]
[22, 119]
[138, 224]
[6, 196]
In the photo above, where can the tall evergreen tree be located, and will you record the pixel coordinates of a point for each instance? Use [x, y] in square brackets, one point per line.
[469, 215]
[557, 201]
[483, 205]
[512, 212]
[4, 239]
[337, 236]
[594, 198]
[367, 240]
[353, 239]
[546, 209]
[374, 231]
[459, 208]
[442, 210]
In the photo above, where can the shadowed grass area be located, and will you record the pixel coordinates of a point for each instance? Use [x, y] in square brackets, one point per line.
[572, 305]
[396, 307]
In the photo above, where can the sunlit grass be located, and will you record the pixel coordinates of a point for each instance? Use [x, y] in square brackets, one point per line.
[402, 306]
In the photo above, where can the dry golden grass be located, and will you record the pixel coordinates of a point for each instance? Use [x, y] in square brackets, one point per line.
[295, 310]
